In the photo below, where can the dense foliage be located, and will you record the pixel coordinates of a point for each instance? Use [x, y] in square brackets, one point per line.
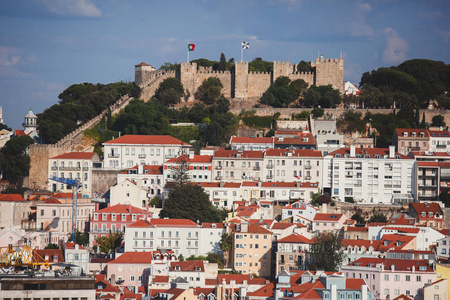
[170, 91]
[189, 201]
[80, 103]
[327, 252]
[209, 91]
[378, 217]
[413, 80]
[283, 92]
[14, 160]
[259, 65]
[109, 243]
[321, 96]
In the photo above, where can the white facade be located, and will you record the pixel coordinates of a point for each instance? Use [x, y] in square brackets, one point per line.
[127, 192]
[298, 165]
[299, 208]
[72, 165]
[425, 236]
[130, 150]
[149, 179]
[443, 248]
[182, 236]
[439, 141]
[199, 168]
[77, 255]
[237, 166]
[368, 175]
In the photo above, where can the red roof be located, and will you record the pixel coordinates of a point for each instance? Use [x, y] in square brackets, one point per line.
[403, 297]
[121, 209]
[197, 159]
[290, 184]
[354, 284]
[143, 64]
[371, 152]
[253, 228]
[52, 255]
[250, 140]
[188, 266]
[19, 132]
[295, 152]
[399, 264]
[51, 201]
[134, 258]
[11, 197]
[426, 207]
[428, 164]
[151, 169]
[247, 211]
[357, 229]
[212, 225]
[163, 223]
[408, 131]
[404, 229]
[296, 141]
[71, 245]
[295, 238]
[146, 140]
[266, 291]
[361, 243]
[402, 220]
[328, 217]
[237, 154]
[75, 155]
[160, 279]
[395, 241]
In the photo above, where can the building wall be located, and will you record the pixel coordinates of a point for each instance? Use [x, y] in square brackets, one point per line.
[438, 290]
[12, 213]
[286, 168]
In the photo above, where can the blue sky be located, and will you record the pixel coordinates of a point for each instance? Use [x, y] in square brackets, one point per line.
[48, 45]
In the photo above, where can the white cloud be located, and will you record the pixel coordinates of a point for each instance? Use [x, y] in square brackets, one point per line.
[359, 26]
[396, 47]
[8, 56]
[79, 8]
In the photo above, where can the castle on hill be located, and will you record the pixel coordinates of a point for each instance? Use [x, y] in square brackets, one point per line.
[242, 84]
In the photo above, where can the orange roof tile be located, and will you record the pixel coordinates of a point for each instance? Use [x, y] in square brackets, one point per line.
[71, 245]
[296, 238]
[11, 197]
[295, 152]
[197, 159]
[187, 266]
[354, 283]
[163, 223]
[151, 169]
[75, 155]
[328, 217]
[146, 140]
[134, 258]
[426, 207]
[121, 209]
[265, 291]
[368, 151]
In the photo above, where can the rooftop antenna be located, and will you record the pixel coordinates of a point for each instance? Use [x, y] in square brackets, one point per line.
[341, 54]
[318, 53]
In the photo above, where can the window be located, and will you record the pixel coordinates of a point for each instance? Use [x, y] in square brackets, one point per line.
[408, 278]
[132, 278]
[386, 277]
[397, 277]
[418, 278]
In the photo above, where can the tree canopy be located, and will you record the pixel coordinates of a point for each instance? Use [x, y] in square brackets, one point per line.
[378, 217]
[109, 243]
[14, 160]
[209, 91]
[189, 201]
[324, 96]
[327, 252]
[283, 92]
[170, 91]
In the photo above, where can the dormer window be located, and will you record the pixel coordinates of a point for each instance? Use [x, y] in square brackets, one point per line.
[413, 134]
[377, 156]
[430, 214]
[405, 134]
[424, 214]
[421, 134]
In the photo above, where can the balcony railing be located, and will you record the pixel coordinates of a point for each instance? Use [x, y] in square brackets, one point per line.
[308, 167]
[142, 155]
[218, 167]
[269, 176]
[113, 155]
[441, 146]
[269, 166]
[85, 168]
[54, 168]
[256, 168]
[218, 177]
[168, 156]
[307, 177]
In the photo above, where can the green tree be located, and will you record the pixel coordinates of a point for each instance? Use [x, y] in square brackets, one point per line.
[190, 201]
[319, 199]
[4, 126]
[317, 112]
[209, 91]
[324, 96]
[155, 202]
[283, 92]
[260, 65]
[180, 174]
[82, 238]
[304, 66]
[109, 243]
[378, 217]
[222, 62]
[438, 121]
[51, 246]
[170, 91]
[226, 244]
[358, 218]
[327, 252]
[168, 66]
[14, 160]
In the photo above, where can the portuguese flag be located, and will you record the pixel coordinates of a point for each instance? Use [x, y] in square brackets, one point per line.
[191, 47]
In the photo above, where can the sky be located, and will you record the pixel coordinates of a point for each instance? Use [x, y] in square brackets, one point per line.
[48, 45]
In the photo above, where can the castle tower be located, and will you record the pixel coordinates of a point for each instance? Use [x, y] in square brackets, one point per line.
[30, 123]
[188, 74]
[241, 80]
[330, 71]
[140, 72]
[282, 69]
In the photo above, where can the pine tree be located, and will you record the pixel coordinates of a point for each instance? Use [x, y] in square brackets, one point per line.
[222, 63]
[181, 174]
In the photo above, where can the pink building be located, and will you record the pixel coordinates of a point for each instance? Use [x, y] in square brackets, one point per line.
[115, 218]
[389, 278]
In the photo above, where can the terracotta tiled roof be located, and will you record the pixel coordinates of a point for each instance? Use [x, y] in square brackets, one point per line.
[328, 217]
[212, 225]
[204, 291]
[65, 195]
[188, 266]
[290, 184]
[52, 255]
[402, 220]
[238, 278]
[396, 241]
[361, 243]
[250, 140]
[357, 229]
[121, 209]
[295, 238]
[237, 154]
[213, 282]
[295, 153]
[250, 183]
[151, 169]
[426, 207]
[146, 140]
[11, 197]
[400, 132]
[265, 291]
[197, 159]
[399, 264]
[51, 201]
[75, 155]
[19, 132]
[247, 211]
[404, 229]
[354, 284]
[428, 164]
[160, 279]
[133, 258]
[163, 223]
[143, 64]
[71, 245]
[368, 151]
[403, 297]
[439, 133]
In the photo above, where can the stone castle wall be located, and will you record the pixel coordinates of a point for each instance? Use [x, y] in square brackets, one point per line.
[242, 84]
[103, 180]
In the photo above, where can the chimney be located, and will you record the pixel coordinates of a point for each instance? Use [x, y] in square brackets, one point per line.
[324, 208]
[112, 280]
[352, 150]
[333, 292]
[140, 168]
[191, 154]
[391, 151]
[364, 292]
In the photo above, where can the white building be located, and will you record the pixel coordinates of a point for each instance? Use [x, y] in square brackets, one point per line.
[242, 143]
[237, 166]
[180, 235]
[200, 167]
[72, 165]
[443, 247]
[299, 165]
[13, 209]
[130, 150]
[439, 140]
[301, 208]
[77, 255]
[372, 175]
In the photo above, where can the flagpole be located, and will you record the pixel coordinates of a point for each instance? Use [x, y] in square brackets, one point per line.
[242, 52]
[188, 54]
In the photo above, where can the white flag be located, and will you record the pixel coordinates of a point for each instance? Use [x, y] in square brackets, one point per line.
[245, 45]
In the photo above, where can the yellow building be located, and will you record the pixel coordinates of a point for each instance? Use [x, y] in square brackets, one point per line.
[443, 272]
[252, 247]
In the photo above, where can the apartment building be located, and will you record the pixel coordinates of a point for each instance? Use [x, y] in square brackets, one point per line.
[428, 214]
[301, 208]
[182, 236]
[389, 278]
[252, 249]
[387, 175]
[237, 166]
[73, 165]
[242, 143]
[299, 140]
[77, 255]
[428, 180]
[324, 222]
[115, 218]
[199, 167]
[292, 165]
[130, 150]
[13, 210]
[408, 139]
[291, 253]
[439, 140]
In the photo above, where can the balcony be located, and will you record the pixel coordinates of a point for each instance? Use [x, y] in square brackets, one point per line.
[113, 155]
[85, 168]
[63, 168]
[218, 177]
[269, 176]
[169, 156]
[54, 168]
[308, 167]
[441, 146]
[142, 155]
[307, 177]
[256, 168]
[269, 166]
[218, 168]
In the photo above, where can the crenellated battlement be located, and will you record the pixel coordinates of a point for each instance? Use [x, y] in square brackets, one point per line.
[259, 73]
[213, 72]
[241, 62]
[329, 60]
